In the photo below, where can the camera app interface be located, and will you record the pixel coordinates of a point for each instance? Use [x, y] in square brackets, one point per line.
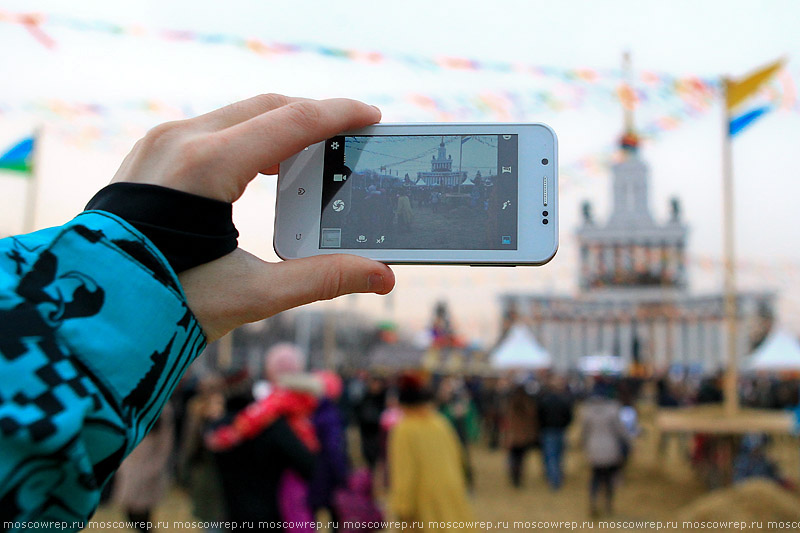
[451, 192]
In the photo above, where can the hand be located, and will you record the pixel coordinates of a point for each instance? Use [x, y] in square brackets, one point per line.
[216, 155]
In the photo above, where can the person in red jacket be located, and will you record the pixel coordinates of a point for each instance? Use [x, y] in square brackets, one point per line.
[278, 427]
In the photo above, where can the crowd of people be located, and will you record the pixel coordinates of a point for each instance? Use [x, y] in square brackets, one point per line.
[276, 450]
[764, 391]
[403, 211]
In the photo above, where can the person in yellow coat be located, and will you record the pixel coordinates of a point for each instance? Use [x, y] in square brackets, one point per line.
[427, 488]
[403, 212]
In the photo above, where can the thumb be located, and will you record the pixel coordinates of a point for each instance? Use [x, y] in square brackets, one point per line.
[240, 288]
[301, 281]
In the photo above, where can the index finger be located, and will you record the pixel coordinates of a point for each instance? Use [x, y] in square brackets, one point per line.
[238, 112]
[269, 138]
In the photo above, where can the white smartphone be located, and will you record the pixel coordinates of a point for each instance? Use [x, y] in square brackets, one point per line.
[476, 194]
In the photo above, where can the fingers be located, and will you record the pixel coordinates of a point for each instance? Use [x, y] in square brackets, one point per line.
[240, 288]
[269, 138]
[238, 112]
[218, 154]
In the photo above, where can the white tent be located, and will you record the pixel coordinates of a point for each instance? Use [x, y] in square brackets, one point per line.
[519, 350]
[601, 364]
[779, 351]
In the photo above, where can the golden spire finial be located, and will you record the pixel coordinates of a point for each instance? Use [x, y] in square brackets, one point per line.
[627, 102]
[627, 96]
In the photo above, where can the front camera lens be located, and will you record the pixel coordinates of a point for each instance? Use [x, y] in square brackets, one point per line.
[545, 161]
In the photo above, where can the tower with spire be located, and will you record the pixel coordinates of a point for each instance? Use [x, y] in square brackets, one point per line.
[631, 250]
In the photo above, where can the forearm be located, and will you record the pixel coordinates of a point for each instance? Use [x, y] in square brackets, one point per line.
[96, 334]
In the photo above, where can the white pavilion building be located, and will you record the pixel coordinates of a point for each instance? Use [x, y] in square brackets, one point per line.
[442, 172]
[633, 300]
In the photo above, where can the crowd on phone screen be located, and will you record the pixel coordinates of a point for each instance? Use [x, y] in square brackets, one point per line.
[277, 449]
[392, 206]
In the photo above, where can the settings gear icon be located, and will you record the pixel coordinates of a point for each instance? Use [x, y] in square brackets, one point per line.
[334, 145]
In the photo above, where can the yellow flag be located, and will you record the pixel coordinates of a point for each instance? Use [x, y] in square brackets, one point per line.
[737, 91]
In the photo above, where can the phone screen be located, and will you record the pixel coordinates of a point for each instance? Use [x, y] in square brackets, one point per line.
[420, 192]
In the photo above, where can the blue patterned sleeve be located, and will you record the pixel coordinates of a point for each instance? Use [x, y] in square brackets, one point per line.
[95, 334]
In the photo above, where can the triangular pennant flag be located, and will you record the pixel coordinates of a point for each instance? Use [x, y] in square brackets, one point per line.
[738, 91]
[739, 123]
[19, 158]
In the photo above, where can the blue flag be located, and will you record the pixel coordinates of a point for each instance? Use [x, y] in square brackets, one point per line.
[19, 157]
[739, 123]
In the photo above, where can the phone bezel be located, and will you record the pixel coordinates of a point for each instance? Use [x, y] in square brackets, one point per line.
[297, 234]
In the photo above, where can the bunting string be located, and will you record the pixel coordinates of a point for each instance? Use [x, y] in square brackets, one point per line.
[103, 125]
[697, 92]
[37, 23]
[567, 88]
[92, 123]
[664, 101]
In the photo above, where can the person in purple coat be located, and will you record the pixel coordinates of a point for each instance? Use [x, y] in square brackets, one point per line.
[332, 466]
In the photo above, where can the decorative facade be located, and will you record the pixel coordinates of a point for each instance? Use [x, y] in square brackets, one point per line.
[442, 172]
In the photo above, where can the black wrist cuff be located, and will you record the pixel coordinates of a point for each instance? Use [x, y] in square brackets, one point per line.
[188, 229]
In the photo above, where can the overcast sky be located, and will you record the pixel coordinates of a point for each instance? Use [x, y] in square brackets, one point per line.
[710, 38]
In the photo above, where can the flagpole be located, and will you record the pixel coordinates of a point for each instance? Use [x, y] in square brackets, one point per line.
[32, 190]
[731, 396]
[460, 156]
